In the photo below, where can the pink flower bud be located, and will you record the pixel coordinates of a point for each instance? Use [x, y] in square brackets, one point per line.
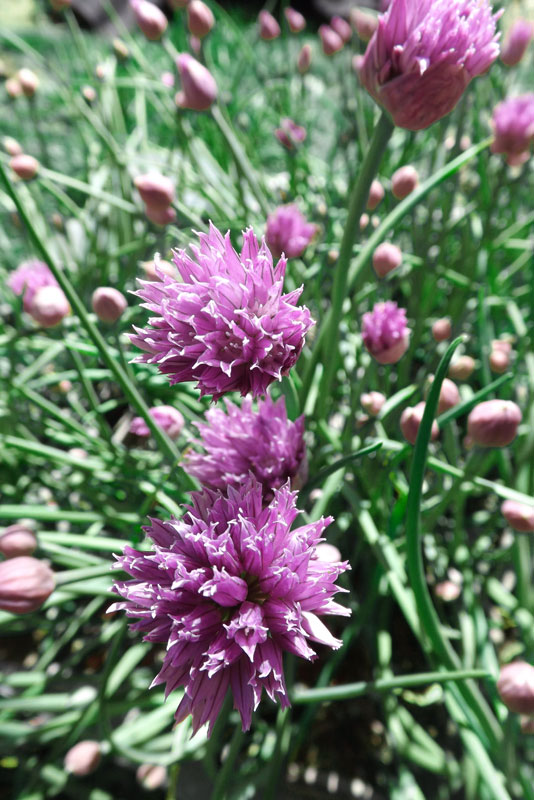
[502, 345]
[153, 269]
[199, 89]
[363, 23]
[160, 216]
[83, 758]
[372, 402]
[156, 190]
[447, 591]
[516, 42]
[195, 44]
[167, 79]
[342, 28]
[25, 584]
[330, 40]
[200, 19]
[151, 20]
[357, 63]
[449, 396]
[442, 329]
[386, 258]
[518, 515]
[364, 221]
[462, 368]
[166, 417]
[376, 195]
[494, 423]
[89, 94]
[516, 687]
[269, 27]
[13, 88]
[25, 166]
[151, 776]
[28, 80]
[108, 303]
[499, 361]
[327, 552]
[305, 58]
[17, 540]
[411, 420]
[295, 20]
[404, 181]
[49, 306]
[11, 146]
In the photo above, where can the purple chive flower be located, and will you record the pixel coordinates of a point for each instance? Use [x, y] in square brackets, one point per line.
[289, 133]
[240, 441]
[227, 324]
[513, 125]
[385, 333]
[423, 55]
[167, 418]
[228, 589]
[288, 232]
[28, 278]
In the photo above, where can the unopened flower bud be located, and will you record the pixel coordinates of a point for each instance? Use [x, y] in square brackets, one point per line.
[502, 345]
[13, 88]
[83, 758]
[327, 552]
[376, 195]
[49, 306]
[28, 80]
[11, 146]
[199, 89]
[17, 540]
[295, 20]
[330, 40]
[120, 49]
[442, 329]
[305, 58]
[519, 516]
[158, 265]
[364, 24]
[25, 166]
[499, 361]
[357, 63]
[108, 303]
[269, 27]
[151, 776]
[449, 396]
[411, 420]
[517, 40]
[200, 19]
[342, 28]
[404, 181]
[151, 19]
[447, 591]
[89, 94]
[516, 687]
[386, 258]
[167, 79]
[156, 190]
[494, 423]
[364, 221]
[25, 584]
[462, 368]
[160, 216]
[372, 402]
[166, 417]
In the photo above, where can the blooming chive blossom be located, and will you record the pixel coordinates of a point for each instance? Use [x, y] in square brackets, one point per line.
[513, 126]
[423, 55]
[288, 232]
[28, 278]
[227, 325]
[240, 441]
[229, 588]
[385, 333]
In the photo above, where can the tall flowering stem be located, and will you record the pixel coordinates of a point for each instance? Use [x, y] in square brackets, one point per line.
[357, 203]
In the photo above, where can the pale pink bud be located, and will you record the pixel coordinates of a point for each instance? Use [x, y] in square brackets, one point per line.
[195, 44]
[11, 146]
[83, 758]
[159, 264]
[327, 552]
[494, 423]
[25, 584]
[372, 402]
[269, 27]
[151, 19]
[411, 420]
[200, 19]
[120, 49]
[517, 40]
[151, 776]
[13, 88]
[295, 20]
[404, 181]
[447, 591]
[502, 345]
[386, 258]
[449, 396]
[462, 368]
[89, 94]
[25, 166]
[49, 306]
[156, 190]
[518, 515]
[442, 329]
[330, 40]
[17, 540]
[305, 58]
[199, 89]
[357, 64]
[108, 303]
[499, 361]
[167, 79]
[363, 23]
[101, 72]
[167, 418]
[342, 28]
[160, 216]
[516, 687]
[364, 221]
[376, 195]
[28, 80]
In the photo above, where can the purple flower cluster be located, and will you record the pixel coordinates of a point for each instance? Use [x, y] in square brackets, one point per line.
[424, 53]
[513, 125]
[288, 231]
[227, 324]
[385, 333]
[242, 441]
[229, 588]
